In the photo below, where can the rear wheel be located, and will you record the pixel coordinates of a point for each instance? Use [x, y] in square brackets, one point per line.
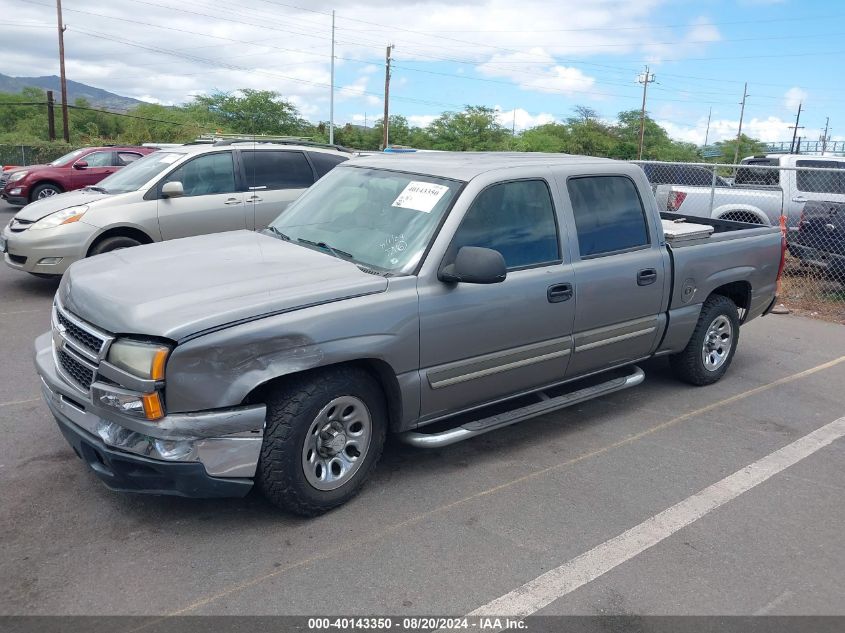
[324, 435]
[113, 244]
[711, 348]
[45, 191]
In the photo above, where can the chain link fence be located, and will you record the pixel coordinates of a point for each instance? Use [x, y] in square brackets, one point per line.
[806, 198]
[23, 155]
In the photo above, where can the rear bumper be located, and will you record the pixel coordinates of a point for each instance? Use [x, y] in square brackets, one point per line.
[771, 306]
[131, 473]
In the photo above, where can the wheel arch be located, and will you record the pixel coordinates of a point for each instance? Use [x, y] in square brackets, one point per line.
[120, 231]
[725, 213]
[379, 369]
[737, 291]
[44, 181]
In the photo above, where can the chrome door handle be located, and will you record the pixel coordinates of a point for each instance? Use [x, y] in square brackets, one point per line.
[254, 199]
[233, 201]
[799, 199]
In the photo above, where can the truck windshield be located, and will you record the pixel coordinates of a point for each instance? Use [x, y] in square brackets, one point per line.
[380, 219]
[138, 173]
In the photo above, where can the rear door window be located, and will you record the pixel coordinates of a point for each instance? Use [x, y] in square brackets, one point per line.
[761, 172]
[324, 163]
[271, 169]
[821, 181]
[124, 158]
[609, 215]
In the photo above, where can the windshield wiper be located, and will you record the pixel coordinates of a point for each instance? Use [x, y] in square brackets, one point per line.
[334, 251]
[97, 189]
[277, 233]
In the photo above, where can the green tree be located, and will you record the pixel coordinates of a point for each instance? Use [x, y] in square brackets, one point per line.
[474, 128]
[248, 111]
[748, 146]
[657, 145]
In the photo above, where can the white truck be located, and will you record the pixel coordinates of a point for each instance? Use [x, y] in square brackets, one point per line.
[765, 188]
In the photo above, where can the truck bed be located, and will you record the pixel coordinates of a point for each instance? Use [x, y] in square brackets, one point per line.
[752, 249]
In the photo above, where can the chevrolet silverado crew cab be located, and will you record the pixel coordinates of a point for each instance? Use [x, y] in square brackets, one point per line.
[437, 297]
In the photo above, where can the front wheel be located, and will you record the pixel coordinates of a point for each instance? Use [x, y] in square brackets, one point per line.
[113, 244]
[45, 191]
[711, 348]
[323, 436]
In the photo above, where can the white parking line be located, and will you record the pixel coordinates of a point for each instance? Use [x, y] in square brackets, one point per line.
[11, 402]
[556, 583]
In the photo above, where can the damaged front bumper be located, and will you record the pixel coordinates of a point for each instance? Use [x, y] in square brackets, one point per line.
[202, 454]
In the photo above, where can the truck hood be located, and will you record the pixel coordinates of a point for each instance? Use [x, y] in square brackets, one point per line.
[181, 287]
[34, 211]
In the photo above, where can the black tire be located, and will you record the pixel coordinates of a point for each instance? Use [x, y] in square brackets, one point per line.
[292, 410]
[689, 365]
[112, 244]
[47, 188]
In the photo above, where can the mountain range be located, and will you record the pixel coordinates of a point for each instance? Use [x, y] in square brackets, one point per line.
[75, 90]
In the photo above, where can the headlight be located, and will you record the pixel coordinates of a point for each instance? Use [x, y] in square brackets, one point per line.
[144, 360]
[18, 175]
[65, 216]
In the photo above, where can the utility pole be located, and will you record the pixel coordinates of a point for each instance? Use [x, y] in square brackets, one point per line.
[645, 79]
[795, 128]
[824, 138]
[331, 94]
[51, 120]
[62, 77]
[741, 116]
[707, 133]
[386, 96]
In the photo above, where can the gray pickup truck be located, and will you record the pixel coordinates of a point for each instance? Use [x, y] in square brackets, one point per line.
[434, 296]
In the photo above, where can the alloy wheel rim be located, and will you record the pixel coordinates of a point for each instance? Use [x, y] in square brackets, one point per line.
[46, 193]
[337, 443]
[717, 343]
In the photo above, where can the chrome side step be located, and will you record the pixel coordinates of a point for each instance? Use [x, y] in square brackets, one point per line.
[498, 421]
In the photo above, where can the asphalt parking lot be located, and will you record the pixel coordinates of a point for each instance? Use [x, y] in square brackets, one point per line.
[572, 494]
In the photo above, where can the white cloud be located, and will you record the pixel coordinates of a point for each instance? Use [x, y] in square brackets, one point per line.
[793, 97]
[769, 129]
[697, 36]
[421, 120]
[545, 77]
[522, 119]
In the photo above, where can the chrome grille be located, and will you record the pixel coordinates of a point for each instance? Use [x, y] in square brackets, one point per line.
[77, 371]
[89, 341]
[4, 178]
[78, 347]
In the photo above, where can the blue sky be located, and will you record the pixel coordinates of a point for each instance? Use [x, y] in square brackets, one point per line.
[539, 59]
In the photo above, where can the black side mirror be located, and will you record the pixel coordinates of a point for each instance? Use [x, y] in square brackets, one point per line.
[475, 265]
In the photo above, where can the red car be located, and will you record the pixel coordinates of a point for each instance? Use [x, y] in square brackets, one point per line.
[80, 168]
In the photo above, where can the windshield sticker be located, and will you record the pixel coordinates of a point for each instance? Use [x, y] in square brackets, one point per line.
[420, 196]
[394, 244]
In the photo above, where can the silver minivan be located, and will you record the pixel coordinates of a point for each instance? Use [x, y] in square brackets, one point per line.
[176, 192]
